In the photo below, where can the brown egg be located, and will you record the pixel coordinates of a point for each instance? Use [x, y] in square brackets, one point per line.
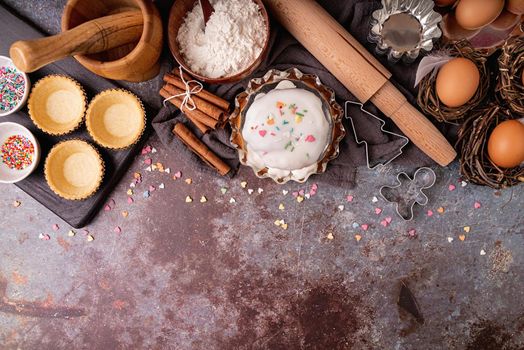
[457, 82]
[474, 14]
[506, 144]
[506, 20]
[444, 3]
[515, 6]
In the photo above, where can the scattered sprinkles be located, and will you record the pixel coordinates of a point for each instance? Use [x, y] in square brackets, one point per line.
[18, 152]
[12, 88]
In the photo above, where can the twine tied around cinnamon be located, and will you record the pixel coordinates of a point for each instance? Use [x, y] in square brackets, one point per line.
[188, 102]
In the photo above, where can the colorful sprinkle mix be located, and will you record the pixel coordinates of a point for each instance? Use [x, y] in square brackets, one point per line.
[18, 152]
[12, 88]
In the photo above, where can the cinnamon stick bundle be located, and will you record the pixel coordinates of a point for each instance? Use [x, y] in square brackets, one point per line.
[202, 127]
[195, 114]
[199, 148]
[202, 105]
[205, 95]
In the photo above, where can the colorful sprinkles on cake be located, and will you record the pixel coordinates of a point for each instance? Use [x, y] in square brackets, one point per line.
[12, 88]
[18, 152]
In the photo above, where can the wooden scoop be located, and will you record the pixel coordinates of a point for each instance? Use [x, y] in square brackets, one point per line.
[95, 36]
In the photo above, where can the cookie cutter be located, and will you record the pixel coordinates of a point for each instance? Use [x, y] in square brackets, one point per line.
[382, 125]
[409, 192]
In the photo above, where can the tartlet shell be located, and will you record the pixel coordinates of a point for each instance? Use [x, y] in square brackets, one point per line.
[30, 103]
[57, 191]
[92, 132]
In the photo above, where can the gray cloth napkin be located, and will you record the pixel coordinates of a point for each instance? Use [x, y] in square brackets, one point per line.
[285, 52]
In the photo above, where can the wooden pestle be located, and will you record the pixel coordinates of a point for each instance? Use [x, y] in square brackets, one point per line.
[95, 36]
[358, 71]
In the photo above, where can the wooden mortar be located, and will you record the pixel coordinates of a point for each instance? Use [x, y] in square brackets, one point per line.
[138, 61]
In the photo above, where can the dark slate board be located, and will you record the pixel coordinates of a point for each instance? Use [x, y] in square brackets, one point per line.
[75, 213]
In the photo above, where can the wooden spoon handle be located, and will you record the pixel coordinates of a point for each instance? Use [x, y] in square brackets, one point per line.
[95, 36]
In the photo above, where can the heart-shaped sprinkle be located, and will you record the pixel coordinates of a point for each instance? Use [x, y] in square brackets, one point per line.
[374, 199]
[450, 239]
[355, 225]
[177, 175]
[462, 237]
[310, 138]
[358, 237]
[118, 229]
[412, 233]
[162, 186]
[452, 187]
[467, 229]
[232, 200]
[388, 219]
[378, 211]
[477, 205]
[243, 184]
[130, 200]
[285, 192]
[148, 161]
[250, 191]
[340, 207]
[430, 213]
[482, 252]
[203, 199]
[307, 195]
[262, 133]
[349, 198]
[189, 199]
[364, 227]
[384, 223]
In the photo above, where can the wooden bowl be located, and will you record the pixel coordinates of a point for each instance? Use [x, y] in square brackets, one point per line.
[176, 16]
[133, 62]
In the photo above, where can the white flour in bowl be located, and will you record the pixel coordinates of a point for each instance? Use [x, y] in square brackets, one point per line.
[232, 40]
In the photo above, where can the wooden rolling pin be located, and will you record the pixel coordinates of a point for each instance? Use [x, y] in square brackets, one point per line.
[95, 36]
[359, 71]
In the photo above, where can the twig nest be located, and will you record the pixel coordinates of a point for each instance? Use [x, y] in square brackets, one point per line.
[428, 97]
[475, 163]
[510, 84]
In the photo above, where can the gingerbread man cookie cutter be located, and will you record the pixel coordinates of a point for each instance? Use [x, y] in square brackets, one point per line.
[408, 192]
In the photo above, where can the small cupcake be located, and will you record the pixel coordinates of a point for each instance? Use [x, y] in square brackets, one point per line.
[287, 126]
[74, 169]
[116, 119]
[57, 104]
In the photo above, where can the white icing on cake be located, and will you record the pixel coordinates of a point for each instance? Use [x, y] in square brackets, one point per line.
[286, 130]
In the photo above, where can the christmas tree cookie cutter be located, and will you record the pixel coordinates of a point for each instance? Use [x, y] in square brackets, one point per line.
[384, 160]
[408, 192]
